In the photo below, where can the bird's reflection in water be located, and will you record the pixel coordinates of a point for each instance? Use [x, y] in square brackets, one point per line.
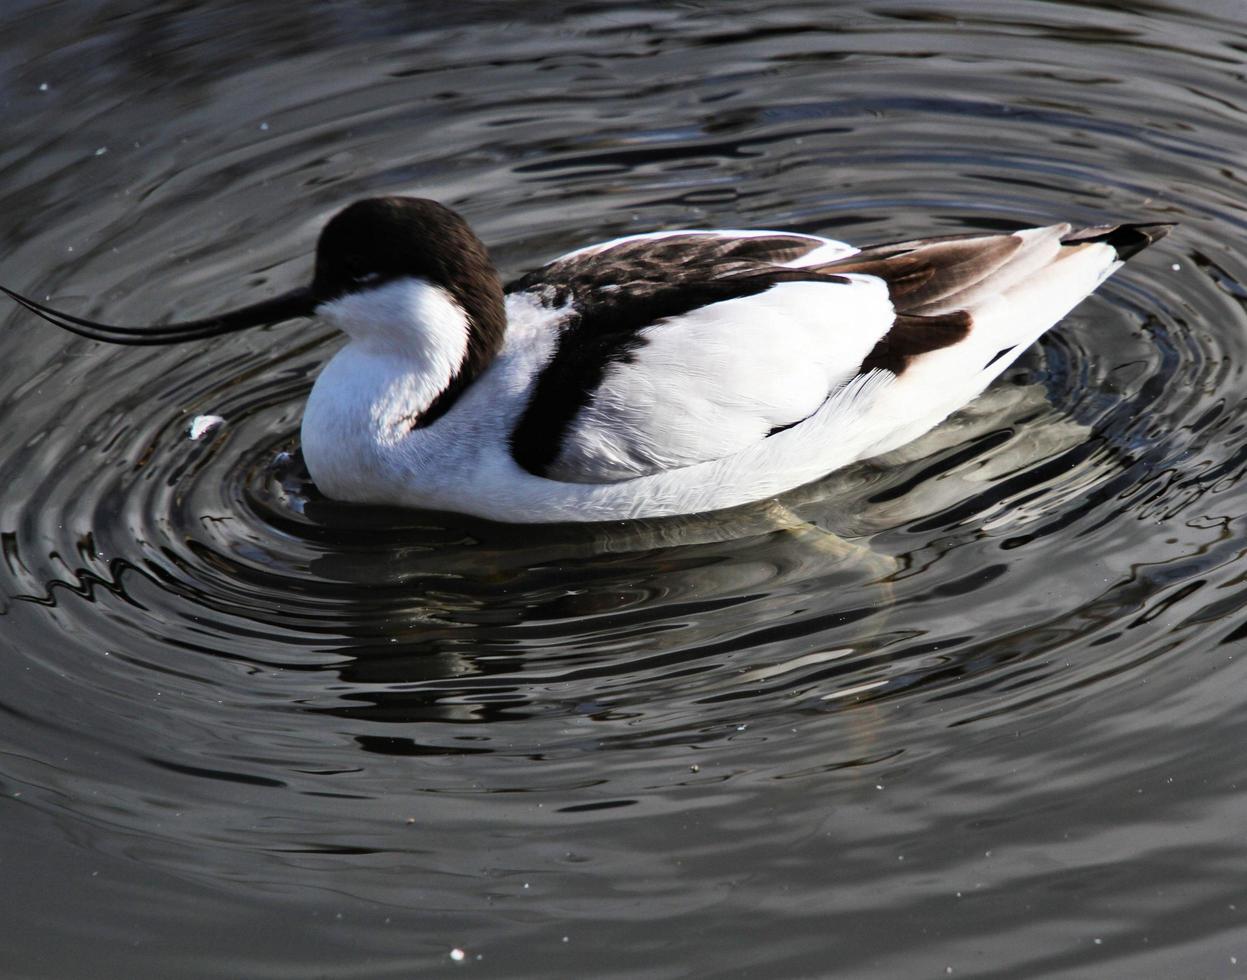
[487, 623]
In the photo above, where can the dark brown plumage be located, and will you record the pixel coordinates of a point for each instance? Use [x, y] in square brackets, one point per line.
[922, 274]
[914, 335]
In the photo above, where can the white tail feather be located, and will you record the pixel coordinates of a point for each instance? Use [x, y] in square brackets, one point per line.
[1040, 247]
[1004, 324]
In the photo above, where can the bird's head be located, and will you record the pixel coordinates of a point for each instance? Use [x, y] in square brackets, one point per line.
[384, 265]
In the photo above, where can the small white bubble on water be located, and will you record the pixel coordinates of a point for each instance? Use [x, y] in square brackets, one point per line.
[201, 425]
[457, 955]
[264, 126]
[1176, 267]
[101, 151]
[43, 86]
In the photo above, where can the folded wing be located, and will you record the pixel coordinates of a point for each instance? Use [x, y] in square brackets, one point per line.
[685, 347]
[688, 347]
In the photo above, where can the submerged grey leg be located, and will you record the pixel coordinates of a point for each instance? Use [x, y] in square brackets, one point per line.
[828, 543]
[833, 548]
[862, 727]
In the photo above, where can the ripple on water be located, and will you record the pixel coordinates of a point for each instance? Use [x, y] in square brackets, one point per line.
[214, 672]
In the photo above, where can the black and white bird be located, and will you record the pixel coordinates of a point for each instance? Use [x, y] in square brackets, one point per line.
[653, 375]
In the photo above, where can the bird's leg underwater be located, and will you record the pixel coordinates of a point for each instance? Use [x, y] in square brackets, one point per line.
[829, 546]
[827, 543]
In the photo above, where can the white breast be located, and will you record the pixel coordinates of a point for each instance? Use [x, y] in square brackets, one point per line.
[366, 399]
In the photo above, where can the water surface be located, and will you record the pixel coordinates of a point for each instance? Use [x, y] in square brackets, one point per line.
[988, 724]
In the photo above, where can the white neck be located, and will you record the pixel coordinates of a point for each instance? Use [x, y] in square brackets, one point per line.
[409, 318]
[407, 341]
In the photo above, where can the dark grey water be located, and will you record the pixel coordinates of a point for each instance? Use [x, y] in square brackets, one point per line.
[247, 732]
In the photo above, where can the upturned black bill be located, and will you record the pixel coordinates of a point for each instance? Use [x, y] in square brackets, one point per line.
[296, 303]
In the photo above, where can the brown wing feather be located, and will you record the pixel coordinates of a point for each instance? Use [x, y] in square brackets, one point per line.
[921, 274]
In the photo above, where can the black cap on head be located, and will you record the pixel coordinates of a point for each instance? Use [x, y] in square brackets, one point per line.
[381, 239]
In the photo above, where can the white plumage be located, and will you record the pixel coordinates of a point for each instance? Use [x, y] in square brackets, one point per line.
[712, 382]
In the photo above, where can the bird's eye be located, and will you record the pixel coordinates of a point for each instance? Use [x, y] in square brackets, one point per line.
[355, 270]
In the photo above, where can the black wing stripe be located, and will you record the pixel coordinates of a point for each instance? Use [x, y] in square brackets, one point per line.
[914, 335]
[670, 260]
